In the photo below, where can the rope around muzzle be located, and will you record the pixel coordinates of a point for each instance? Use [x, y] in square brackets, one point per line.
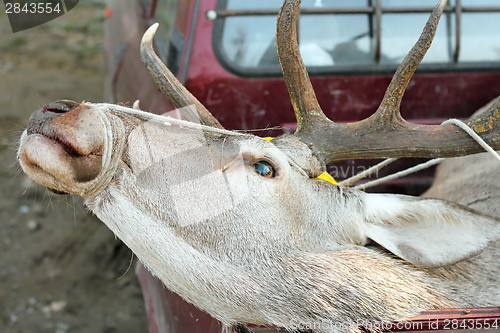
[112, 132]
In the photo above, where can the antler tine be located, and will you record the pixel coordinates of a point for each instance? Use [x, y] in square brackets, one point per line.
[388, 112]
[306, 106]
[169, 84]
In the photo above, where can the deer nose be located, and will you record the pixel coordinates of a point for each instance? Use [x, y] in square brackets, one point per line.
[63, 145]
[60, 106]
[77, 126]
[49, 113]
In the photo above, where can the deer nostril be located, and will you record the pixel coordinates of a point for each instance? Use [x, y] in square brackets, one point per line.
[60, 106]
[55, 109]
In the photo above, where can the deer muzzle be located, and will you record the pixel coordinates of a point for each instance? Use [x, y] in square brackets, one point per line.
[62, 145]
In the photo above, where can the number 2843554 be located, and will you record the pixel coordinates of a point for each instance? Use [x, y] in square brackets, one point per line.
[32, 8]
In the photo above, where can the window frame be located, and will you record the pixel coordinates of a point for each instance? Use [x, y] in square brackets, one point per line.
[376, 11]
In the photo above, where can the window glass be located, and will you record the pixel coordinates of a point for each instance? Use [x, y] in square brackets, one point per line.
[470, 3]
[340, 40]
[249, 41]
[327, 40]
[480, 40]
[332, 3]
[413, 4]
[401, 31]
[246, 40]
[268, 4]
[253, 4]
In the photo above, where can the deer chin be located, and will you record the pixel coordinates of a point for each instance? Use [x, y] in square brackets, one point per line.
[62, 149]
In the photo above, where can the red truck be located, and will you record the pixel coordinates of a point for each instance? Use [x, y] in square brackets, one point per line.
[224, 52]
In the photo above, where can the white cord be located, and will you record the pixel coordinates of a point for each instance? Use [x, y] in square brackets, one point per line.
[167, 120]
[187, 124]
[399, 174]
[473, 134]
[367, 172]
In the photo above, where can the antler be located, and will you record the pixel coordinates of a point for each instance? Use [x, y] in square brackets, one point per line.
[385, 133]
[306, 106]
[169, 84]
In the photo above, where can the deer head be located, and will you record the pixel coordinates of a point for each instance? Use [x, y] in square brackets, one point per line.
[239, 225]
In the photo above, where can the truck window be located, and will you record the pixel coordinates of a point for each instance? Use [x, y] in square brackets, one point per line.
[357, 35]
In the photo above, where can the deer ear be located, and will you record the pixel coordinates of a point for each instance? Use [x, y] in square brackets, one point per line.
[428, 232]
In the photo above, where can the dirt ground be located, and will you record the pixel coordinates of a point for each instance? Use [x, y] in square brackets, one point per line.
[61, 270]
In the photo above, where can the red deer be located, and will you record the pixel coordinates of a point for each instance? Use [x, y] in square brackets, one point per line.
[242, 228]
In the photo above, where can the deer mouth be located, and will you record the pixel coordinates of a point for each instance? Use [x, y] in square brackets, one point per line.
[62, 147]
[66, 145]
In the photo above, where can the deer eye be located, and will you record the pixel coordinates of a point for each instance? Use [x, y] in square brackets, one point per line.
[264, 169]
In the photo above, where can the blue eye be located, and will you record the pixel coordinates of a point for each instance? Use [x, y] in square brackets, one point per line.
[264, 169]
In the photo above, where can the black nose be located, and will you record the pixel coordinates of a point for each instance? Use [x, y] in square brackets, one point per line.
[60, 106]
[47, 114]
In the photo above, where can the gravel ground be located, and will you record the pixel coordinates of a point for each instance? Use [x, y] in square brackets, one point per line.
[61, 270]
